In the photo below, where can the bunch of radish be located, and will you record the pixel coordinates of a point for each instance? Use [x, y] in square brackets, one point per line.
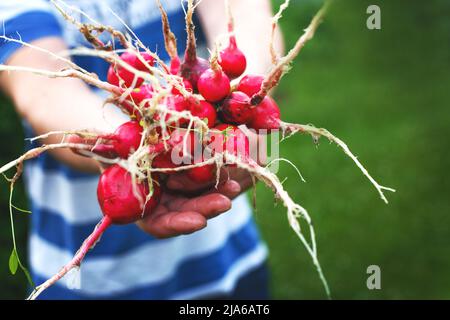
[175, 110]
[211, 99]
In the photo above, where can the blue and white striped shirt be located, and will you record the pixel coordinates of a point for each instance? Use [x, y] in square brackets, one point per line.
[126, 263]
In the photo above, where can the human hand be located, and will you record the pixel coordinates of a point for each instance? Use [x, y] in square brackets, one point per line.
[186, 206]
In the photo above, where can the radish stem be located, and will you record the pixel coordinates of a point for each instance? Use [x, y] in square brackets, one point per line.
[89, 243]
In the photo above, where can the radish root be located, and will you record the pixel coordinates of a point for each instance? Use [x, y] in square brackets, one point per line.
[282, 66]
[316, 133]
[88, 244]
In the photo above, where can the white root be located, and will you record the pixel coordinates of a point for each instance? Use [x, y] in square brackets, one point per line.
[64, 133]
[275, 20]
[52, 54]
[67, 73]
[294, 210]
[282, 66]
[39, 150]
[290, 129]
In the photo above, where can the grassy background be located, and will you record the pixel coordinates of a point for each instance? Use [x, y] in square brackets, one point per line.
[385, 92]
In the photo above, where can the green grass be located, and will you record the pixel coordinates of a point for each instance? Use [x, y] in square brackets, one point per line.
[386, 94]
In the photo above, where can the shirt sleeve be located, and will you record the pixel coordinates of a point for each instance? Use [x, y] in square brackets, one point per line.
[25, 20]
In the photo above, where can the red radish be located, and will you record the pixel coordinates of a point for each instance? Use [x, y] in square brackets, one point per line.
[166, 159]
[203, 174]
[236, 109]
[231, 139]
[265, 115]
[191, 70]
[125, 140]
[250, 84]
[138, 64]
[214, 85]
[135, 98]
[176, 103]
[187, 85]
[140, 94]
[117, 73]
[205, 111]
[117, 198]
[232, 60]
[175, 64]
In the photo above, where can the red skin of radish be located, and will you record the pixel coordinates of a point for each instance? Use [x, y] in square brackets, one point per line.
[164, 159]
[136, 97]
[232, 60]
[126, 76]
[250, 84]
[236, 109]
[265, 115]
[205, 111]
[125, 140]
[175, 64]
[116, 72]
[140, 94]
[202, 109]
[214, 85]
[203, 174]
[138, 64]
[187, 85]
[192, 70]
[233, 140]
[117, 199]
[176, 103]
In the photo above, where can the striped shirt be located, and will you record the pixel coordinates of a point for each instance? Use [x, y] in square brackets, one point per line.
[127, 263]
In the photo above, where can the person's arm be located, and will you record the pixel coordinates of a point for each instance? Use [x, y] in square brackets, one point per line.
[56, 104]
[253, 28]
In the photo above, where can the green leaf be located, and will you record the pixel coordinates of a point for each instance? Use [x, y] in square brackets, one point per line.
[13, 262]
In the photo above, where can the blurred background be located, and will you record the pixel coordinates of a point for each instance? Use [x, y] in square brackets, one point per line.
[384, 92]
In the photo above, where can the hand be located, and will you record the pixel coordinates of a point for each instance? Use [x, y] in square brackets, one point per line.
[177, 214]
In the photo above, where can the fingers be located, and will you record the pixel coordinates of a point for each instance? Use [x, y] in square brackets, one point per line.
[173, 224]
[242, 177]
[246, 183]
[232, 182]
[179, 215]
[230, 189]
[181, 182]
[209, 205]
